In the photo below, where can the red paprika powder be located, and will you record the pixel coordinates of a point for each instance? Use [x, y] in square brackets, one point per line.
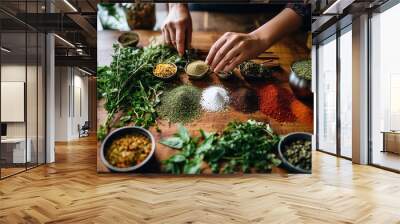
[275, 102]
[302, 112]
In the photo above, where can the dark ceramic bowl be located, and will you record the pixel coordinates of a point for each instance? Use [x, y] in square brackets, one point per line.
[119, 133]
[300, 86]
[288, 139]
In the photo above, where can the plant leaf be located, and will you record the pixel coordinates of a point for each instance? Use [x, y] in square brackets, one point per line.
[206, 145]
[183, 133]
[173, 142]
[177, 158]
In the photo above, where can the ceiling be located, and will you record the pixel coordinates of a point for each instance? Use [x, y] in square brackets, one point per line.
[72, 20]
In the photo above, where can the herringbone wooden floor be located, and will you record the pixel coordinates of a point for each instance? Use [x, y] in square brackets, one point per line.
[70, 191]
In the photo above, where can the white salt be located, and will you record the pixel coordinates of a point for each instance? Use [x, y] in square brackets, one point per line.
[214, 98]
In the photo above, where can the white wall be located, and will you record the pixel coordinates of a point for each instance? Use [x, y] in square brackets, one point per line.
[16, 73]
[70, 83]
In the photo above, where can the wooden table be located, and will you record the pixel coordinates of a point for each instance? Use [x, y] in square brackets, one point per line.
[287, 50]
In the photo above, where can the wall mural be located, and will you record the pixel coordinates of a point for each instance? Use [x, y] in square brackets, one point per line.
[180, 94]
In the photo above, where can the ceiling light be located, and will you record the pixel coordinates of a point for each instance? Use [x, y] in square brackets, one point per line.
[84, 71]
[64, 40]
[5, 50]
[70, 5]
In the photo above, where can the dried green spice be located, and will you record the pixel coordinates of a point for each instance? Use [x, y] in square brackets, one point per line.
[298, 153]
[252, 70]
[181, 104]
[303, 69]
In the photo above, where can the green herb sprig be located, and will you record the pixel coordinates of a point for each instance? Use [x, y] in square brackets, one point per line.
[192, 151]
[243, 146]
[128, 85]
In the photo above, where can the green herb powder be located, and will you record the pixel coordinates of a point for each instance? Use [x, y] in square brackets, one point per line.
[181, 104]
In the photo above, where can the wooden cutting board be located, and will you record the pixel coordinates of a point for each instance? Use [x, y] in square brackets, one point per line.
[286, 51]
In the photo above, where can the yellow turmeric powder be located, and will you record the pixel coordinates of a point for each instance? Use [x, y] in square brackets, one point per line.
[164, 70]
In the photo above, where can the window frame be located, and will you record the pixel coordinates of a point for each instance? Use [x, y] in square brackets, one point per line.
[346, 27]
[378, 10]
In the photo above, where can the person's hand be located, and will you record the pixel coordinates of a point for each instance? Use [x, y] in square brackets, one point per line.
[177, 29]
[231, 49]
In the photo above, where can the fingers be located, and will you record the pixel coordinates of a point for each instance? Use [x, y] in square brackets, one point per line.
[214, 49]
[180, 40]
[221, 58]
[188, 40]
[229, 56]
[166, 37]
[172, 35]
[235, 62]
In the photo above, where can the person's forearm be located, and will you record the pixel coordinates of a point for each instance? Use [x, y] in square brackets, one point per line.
[281, 25]
[170, 5]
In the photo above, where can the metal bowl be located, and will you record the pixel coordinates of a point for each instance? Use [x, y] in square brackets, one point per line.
[288, 139]
[119, 133]
[300, 86]
[169, 77]
[200, 76]
[129, 39]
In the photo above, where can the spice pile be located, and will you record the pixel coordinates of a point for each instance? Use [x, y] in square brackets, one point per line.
[303, 69]
[214, 98]
[280, 104]
[181, 104]
[252, 70]
[245, 100]
[164, 70]
[298, 154]
[197, 68]
[129, 150]
[302, 112]
[275, 102]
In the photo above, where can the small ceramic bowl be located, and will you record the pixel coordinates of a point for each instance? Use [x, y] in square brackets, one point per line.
[119, 133]
[199, 76]
[129, 39]
[301, 87]
[169, 77]
[286, 140]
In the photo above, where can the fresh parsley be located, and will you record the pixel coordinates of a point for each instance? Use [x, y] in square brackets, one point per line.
[242, 147]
